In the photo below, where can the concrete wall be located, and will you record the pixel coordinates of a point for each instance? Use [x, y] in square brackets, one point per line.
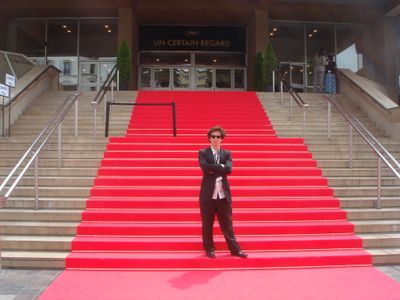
[257, 38]
[380, 109]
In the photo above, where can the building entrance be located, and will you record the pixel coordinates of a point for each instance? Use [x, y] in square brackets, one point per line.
[192, 58]
[192, 78]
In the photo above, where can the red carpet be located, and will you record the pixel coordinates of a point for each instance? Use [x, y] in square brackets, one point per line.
[350, 283]
[143, 211]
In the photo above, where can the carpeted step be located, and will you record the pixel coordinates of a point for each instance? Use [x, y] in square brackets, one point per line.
[191, 171]
[240, 162]
[194, 228]
[193, 202]
[247, 181]
[187, 215]
[174, 146]
[155, 153]
[250, 243]
[178, 139]
[186, 191]
[197, 260]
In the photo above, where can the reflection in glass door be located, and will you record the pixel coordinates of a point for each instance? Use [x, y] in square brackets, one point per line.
[145, 78]
[181, 78]
[162, 78]
[204, 78]
[239, 79]
[295, 73]
[223, 79]
[93, 73]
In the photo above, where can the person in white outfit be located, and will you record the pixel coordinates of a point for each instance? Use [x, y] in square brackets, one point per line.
[320, 61]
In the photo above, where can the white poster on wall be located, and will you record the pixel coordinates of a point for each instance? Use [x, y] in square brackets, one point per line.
[4, 90]
[10, 80]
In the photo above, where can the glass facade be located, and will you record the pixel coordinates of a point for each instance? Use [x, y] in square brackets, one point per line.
[192, 70]
[83, 49]
[296, 44]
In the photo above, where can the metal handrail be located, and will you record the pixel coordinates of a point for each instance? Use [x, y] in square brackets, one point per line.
[102, 93]
[380, 151]
[106, 84]
[15, 97]
[293, 96]
[8, 186]
[33, 81]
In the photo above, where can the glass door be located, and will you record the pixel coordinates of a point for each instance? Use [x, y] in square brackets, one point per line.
[181, 76]
[162, 78]
[204, 78]
[223, 79]
[294, 73]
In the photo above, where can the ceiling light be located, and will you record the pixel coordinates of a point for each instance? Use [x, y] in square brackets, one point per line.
[106, 26]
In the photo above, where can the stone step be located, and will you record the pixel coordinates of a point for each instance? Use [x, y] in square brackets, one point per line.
[377, 226]
[366, 191]
[361, 181]
[65, 163]
[36, 243]
[32, 228]
[385, 256]
[92, 172]
[41, 215]
[355, 214]
[368, 202]
[380, 240]
[33, 259]
[46, 203]
[52, 192]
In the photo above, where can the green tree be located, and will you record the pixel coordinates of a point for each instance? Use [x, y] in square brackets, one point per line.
[124, 64]
[270, 63]
[258, 73]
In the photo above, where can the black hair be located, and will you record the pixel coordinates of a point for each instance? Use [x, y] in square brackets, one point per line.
[216, 128]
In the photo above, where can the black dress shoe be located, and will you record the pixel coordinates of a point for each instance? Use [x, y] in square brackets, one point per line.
[240, 254]
[210, 254]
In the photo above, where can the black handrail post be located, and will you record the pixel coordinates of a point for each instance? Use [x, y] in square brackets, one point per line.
[107, 118]
[174, 117]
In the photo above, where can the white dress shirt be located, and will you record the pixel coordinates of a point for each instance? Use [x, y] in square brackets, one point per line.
[219, 187]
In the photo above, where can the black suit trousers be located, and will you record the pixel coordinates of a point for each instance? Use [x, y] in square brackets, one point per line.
[223, 210]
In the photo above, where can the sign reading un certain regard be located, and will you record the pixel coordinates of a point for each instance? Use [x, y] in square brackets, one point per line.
[192, 38]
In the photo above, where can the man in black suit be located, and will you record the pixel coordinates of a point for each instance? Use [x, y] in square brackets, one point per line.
[215, 195]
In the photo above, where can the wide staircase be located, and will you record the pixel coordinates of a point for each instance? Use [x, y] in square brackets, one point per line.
[42, 238]
[356, 187]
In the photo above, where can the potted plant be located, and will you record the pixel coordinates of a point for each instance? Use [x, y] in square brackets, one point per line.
[270, 64]
[124, 64]
[258, 73]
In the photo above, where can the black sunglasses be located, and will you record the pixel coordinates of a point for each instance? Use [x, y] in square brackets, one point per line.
[215, 136]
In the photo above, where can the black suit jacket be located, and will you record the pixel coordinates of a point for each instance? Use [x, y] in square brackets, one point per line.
[211, 171]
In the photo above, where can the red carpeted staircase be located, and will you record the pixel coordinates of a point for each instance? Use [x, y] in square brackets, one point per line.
[143, 212]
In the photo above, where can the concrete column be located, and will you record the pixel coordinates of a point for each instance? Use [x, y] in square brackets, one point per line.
[128, 31]
[391, 54]
[3, 32]
[257, 38]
